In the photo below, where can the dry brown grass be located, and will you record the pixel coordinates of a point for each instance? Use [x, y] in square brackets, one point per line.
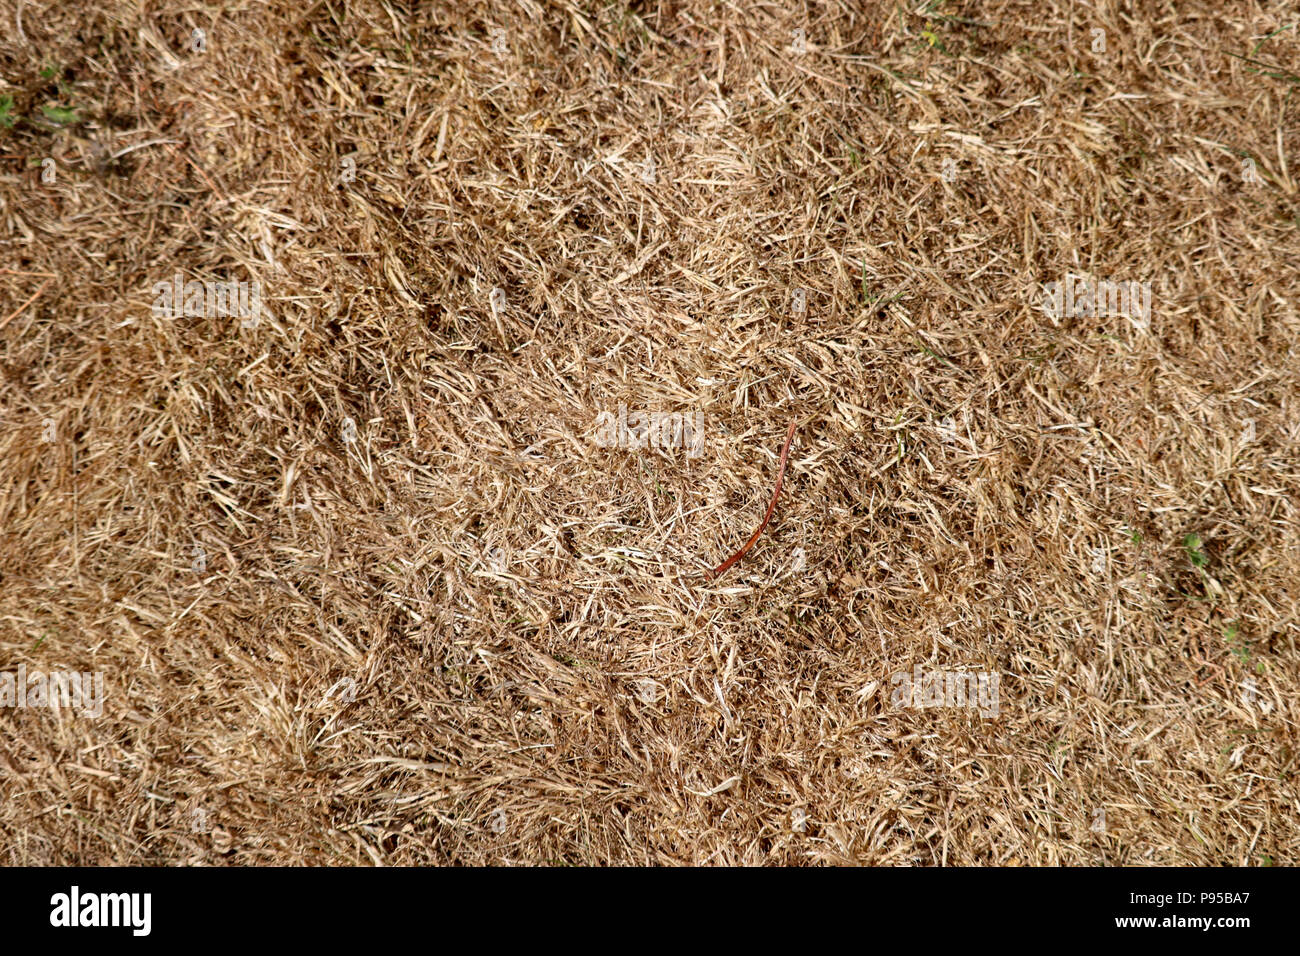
[543, 674]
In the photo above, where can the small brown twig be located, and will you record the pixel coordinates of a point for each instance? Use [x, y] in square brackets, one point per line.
[776, 493]
[35, 295]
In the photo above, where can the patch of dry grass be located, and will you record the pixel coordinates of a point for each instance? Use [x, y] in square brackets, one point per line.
[365, 588]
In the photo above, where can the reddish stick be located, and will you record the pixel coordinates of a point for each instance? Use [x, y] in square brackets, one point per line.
[35, 295]
[776, 493]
